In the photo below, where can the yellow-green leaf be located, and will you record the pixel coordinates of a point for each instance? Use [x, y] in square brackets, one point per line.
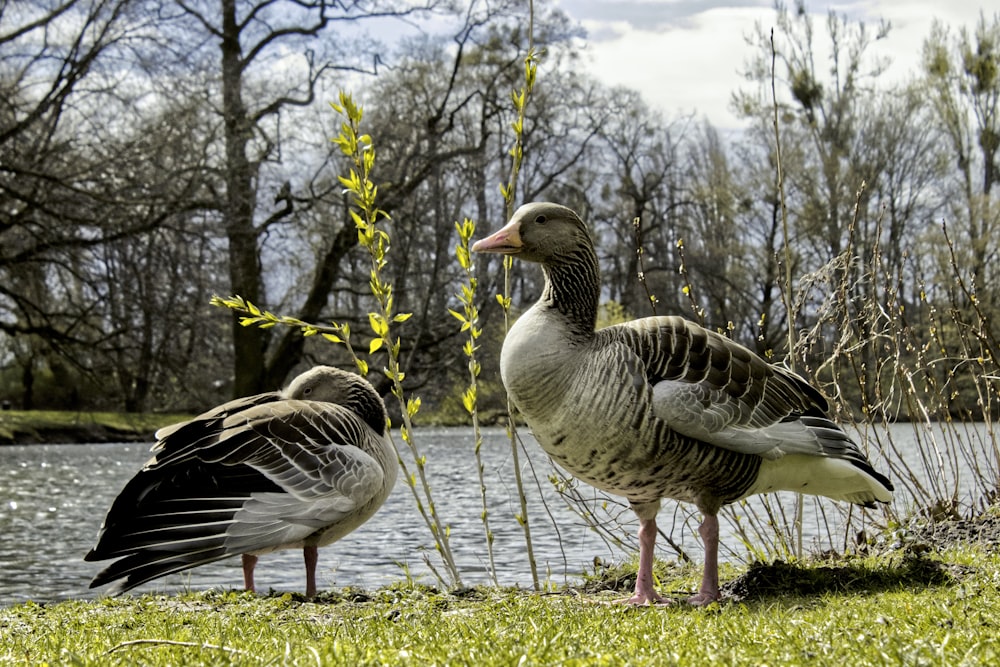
[378, 324]
[413, 405]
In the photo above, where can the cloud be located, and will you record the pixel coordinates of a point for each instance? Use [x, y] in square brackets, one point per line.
[687, 56]
[648, 14]
[689, 65]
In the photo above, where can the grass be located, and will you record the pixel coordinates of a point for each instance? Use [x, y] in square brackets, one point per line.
[901, 608]
[67, 426]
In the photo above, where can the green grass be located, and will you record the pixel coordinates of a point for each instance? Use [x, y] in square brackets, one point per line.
[896, 609]
[65, 426]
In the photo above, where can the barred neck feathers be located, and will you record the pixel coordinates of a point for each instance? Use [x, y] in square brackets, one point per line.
[367, 404]
[572, 287]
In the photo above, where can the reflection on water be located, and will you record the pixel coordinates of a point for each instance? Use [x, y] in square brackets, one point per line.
[53, 498]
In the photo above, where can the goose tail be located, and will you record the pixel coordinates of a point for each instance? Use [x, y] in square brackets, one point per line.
[849, 480]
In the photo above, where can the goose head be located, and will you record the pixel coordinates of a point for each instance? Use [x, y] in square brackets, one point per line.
[540, 232]
[555, 237]
[328, 384]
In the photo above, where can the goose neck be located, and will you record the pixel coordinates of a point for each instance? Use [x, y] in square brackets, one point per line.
[572, 288]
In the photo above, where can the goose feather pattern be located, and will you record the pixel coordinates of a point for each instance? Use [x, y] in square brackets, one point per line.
[661, 407]
[294, 469]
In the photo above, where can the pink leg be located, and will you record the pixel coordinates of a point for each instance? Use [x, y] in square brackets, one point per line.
[709, 591]
[249, 563]
[310, 555]
[645, 592]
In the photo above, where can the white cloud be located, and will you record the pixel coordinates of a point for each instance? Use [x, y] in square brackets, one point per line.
[682, 67]
[686, 56]
[911, 25]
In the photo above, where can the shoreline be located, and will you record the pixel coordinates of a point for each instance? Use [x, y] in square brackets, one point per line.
[50, 427]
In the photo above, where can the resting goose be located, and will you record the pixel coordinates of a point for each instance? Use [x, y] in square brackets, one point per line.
[660, 407]
[280, 470]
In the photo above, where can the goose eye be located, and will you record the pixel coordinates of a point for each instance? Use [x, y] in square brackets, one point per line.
[307, 391]
[541, 219]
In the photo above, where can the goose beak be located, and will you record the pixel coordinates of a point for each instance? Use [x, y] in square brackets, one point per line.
[505, 241]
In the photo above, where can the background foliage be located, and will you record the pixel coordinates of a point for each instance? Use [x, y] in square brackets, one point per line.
[157, 153]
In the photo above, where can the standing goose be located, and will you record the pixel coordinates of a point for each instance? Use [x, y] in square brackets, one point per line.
[280, 470]
[660, 407]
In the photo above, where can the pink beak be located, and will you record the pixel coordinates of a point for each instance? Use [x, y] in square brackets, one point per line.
[506, 240]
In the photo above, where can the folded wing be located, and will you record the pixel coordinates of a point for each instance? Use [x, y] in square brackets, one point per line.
[253, 475]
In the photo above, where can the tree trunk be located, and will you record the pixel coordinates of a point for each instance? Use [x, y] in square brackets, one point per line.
[249, 343]
[28, 384]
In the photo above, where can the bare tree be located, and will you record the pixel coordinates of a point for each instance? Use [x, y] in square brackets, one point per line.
[252, 38]
[961, 75]
[644, 180]
[54, 197]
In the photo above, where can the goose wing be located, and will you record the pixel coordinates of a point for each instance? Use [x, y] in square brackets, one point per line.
[265, 476]
[189, 434]
[707, 387]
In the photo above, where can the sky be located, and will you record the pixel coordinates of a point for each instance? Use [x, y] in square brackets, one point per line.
[686, 55]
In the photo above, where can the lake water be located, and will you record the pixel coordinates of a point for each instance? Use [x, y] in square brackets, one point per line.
[53, 499]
